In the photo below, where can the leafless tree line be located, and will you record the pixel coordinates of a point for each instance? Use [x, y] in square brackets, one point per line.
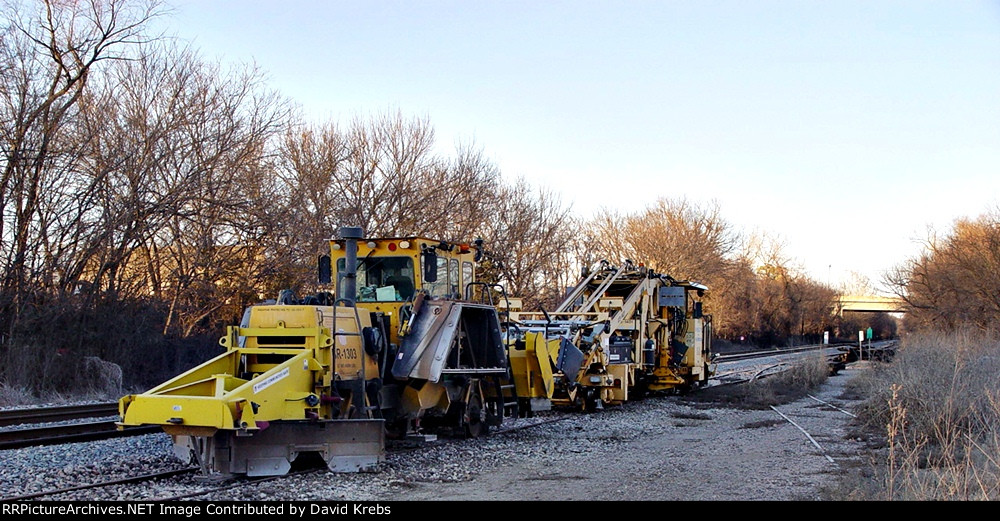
[757, 293]
[148, 195]
[955, 281]
[147, 190]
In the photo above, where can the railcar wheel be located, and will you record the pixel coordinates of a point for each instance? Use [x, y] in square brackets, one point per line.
[592, 400]
[524, 408]
[395, 428]
[474, 419]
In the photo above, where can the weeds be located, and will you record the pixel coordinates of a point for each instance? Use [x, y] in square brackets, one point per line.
[784, 387]
[18, 396]
[14, 396]
[69, 350]
[938, 408]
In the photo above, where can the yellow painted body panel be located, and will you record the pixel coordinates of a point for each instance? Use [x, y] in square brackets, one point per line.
[430, 396]
[287, 354]
[524, 378]
[624, 377]
[533, 366]
[693, 338]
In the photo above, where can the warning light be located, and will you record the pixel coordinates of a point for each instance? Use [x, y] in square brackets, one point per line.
[392, 246]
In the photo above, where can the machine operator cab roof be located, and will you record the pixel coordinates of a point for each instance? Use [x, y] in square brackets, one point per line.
[395, 269]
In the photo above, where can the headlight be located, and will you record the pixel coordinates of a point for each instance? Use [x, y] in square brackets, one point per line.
[595, 379]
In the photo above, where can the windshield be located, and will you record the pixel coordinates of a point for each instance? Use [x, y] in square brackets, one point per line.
[380, 279]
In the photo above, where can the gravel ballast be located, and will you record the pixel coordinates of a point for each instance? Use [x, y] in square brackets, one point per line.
[659, 448]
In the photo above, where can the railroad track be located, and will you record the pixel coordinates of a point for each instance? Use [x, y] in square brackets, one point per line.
[71, 433]
[109, 430]
[96, 430]
[55, 414]
[775, 352]
[232, 483]
[838, 355]
[49, 434]
[121, 481]
[104, 429]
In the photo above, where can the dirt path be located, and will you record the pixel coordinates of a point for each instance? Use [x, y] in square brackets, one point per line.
[665, 449]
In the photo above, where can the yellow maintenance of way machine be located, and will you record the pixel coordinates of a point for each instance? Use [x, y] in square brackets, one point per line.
[293, 379]
[445, 364]
[622, 330]
[399, 351]
[402, 348]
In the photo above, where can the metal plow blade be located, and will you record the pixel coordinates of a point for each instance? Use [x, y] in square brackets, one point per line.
[345, 446]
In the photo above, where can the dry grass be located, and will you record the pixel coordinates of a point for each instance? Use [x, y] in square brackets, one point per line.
[15, 396]
[937, 409]
[98, 352]
[784, 387]
[18, 396]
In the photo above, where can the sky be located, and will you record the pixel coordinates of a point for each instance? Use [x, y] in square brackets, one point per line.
[843, 129]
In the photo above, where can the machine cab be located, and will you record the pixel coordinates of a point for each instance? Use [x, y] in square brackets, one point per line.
[395, 269]
[392, 271]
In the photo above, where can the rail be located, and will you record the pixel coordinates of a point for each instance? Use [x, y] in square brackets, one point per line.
[71, 433]
[777, 351]
[112, 482]
[57, 413]
[205, 488]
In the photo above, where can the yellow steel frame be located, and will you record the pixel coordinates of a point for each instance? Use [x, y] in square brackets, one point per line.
[233, 392]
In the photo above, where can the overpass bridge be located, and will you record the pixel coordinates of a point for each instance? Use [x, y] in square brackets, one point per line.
[870, 303]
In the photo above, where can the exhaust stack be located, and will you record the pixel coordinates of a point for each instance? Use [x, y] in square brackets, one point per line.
[350, 234]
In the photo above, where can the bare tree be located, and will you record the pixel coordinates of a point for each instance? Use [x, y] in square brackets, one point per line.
[676, 237]
[50, 51]
[381, 174]
[531, 237]
[200, 198]
[756, 290]
[956, 279]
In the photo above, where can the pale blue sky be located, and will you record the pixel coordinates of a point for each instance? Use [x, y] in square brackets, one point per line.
[843, 127]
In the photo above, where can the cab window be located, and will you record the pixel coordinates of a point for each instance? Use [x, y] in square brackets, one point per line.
[380, 279]
[440, 287]
[467, 277]
[453, 280]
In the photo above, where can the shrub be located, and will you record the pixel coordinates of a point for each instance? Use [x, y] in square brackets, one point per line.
[938, 407]
[98, 352]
